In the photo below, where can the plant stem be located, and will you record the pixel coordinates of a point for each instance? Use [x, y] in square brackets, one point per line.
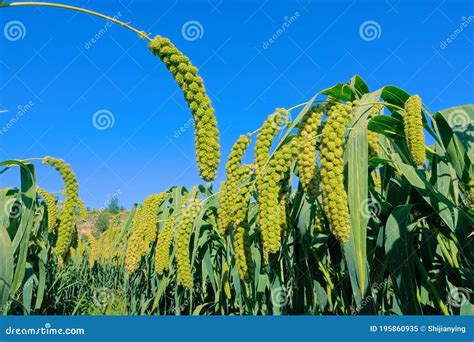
[454, 254]
[425, 277]
[141, 34]
[444, 250]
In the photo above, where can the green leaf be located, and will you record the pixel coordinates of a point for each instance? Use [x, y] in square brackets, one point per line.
[399, 249]
[42, 280]
[457, 140]
[6, 265]
[341, 91]
[460, 120]
[395, 96]
[389, 126]
[359, 85]
[356, 159]
[22, 236]
[455, 219]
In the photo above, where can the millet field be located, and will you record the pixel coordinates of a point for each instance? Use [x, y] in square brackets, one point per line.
[344, 210]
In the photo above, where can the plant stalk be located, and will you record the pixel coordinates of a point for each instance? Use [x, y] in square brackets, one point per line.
[141, 34]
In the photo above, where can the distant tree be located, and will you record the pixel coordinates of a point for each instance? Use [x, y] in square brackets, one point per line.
[114, 207]
[102, 221]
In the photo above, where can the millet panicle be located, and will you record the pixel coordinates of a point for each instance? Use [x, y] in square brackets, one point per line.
[241, 230]
[144, 230]
[50, 202]
[205, 124]
[67, 219]
[165, 238]
[269, 190]
[306, 157]
[229, 188]
[265, 137]
[332, 172]
[373, 137]
[188, 214]
[413, 124]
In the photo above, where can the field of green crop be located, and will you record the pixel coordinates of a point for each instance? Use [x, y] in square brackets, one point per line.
[344, 210]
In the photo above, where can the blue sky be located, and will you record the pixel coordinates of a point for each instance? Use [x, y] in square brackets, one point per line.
[53, 78]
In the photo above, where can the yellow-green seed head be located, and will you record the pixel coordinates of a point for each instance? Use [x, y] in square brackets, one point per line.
[92, 249]
[332, 178]
[225, 277]
[306, 157]
[188, 214]
[414, 135]
[373, 137]
[265, 138]
[241, 228]
[205, 125]
[144, 230]
[82, 209]
[269, 187]
[229, 188]
[50, 202]
[67, 220]
[134, 243]
[165, 237]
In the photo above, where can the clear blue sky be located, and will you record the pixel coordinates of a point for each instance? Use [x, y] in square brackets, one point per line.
[60, 79]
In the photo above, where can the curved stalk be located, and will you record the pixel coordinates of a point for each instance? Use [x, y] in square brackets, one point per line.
[141, 34]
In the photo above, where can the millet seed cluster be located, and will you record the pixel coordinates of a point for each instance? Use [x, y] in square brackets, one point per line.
[332, 169]
[414, 135]
[67, 220]
[189, 213]
[226, 210]
[186, 75]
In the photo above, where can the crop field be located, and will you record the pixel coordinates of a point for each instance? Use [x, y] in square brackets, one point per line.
[344, 209]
